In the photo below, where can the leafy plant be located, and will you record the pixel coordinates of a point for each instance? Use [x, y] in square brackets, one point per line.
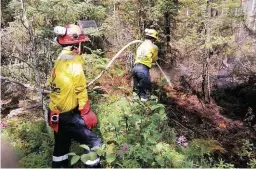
[252, 163]
[247, 149]
[133, 131]
[199, 149]
[92, 155]
[222, 164]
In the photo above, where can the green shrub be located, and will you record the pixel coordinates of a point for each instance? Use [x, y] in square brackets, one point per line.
[134, 135]
[36, 160]
[222, 164]
[31, 142]
[199, 151]
[252, 163]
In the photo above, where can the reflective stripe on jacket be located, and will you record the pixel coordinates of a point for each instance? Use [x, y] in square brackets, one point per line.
[146, 53]
[67, 81]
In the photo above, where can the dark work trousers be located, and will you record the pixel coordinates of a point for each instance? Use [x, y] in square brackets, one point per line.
[141, 80]
[71, 126]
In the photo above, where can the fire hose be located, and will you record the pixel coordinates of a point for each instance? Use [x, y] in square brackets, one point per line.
[117, 55]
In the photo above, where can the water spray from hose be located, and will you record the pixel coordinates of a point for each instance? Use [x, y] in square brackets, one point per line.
[166, 78]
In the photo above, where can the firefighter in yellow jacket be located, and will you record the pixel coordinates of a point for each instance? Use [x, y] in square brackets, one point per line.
[146, 54]
[70, 114]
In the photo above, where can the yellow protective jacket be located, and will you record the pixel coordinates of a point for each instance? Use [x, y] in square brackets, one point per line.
[67, 81]
[146, 53]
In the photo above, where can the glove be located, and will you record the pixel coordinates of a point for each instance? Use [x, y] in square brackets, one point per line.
[88, 116]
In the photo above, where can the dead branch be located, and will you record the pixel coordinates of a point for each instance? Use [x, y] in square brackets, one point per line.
[24, 85]
[18, 111]
[31, 66]
[183, 126]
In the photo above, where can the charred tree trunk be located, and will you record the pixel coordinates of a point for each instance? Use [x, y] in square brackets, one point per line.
[140, 15]
[167, 27]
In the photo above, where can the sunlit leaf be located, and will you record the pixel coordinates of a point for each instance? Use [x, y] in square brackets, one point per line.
[161, 110]
[151, 140]
[85, 147]
[120, 72]
[157, 106]
[71, 154]
[110, 158]
[114, 121]
[75, 159]
[159, 147]
[85, 158]
[93, 156]
[102, 67]
[98, 150]
[159, 160]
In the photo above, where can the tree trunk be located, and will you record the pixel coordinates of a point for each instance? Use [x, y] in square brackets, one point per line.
[140, 17]
[33, 56]
[167, 27]
[206, 82]
[206, 57]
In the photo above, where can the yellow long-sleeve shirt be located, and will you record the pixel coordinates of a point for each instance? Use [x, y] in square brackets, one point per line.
[146, 53]
[68, 83]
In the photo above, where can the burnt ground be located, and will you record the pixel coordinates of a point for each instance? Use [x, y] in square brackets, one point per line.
[224, 119]
[238, 102]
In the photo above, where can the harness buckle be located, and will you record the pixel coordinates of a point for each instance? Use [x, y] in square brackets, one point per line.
[55, 118]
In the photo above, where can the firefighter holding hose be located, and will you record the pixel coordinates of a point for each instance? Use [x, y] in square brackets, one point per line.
[146, 54]
[70, 115]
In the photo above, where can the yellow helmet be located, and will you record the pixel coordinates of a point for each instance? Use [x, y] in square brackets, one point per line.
[152, 33]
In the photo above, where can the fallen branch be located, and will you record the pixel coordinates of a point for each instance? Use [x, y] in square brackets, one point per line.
[18, 111]
[24, 85]
[32, 106]
[183, 126]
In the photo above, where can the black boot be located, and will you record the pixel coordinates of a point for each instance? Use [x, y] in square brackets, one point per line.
[61, 164]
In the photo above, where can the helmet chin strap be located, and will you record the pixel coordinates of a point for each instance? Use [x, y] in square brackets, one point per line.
[79, 49]
[76, 50]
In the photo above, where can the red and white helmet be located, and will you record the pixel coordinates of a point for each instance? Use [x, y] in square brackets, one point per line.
[70, 34]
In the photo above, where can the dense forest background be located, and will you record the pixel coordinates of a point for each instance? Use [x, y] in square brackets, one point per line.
[207, 49]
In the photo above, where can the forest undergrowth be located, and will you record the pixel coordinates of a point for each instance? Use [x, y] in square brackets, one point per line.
[174, 129]
[207, 49]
